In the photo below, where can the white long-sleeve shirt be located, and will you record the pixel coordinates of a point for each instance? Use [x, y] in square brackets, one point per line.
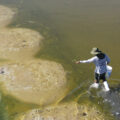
[99, 63]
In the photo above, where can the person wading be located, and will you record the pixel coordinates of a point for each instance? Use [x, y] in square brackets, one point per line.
[100, 60]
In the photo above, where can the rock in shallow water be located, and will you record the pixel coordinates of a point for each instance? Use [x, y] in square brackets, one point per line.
[36, 81]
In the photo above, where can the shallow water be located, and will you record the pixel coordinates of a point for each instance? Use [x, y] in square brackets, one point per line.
[71, 28]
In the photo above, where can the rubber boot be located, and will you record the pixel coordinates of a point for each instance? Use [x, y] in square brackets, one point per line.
[106, 86]
[94, 85]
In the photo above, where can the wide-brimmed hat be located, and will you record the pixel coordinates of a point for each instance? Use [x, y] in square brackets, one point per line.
[95, 51]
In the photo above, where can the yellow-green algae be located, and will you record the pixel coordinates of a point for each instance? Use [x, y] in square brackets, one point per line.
[65, 111]
[12, 107]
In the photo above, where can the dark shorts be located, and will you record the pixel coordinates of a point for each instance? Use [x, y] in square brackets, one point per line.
[99, 77]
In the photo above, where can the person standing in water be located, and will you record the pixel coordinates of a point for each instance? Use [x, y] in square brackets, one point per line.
[100, 60]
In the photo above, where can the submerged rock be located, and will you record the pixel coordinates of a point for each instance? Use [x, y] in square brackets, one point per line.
[36, 81]
[6, 15]
[15, 42]
[67, 111]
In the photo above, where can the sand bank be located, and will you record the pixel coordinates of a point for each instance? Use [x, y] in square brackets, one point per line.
[15, 42]
[36, 81]
[6, 15]
[67, 111]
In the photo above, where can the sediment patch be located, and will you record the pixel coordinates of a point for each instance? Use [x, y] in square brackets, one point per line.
[6, 15]
[18, 41]
[36, 81]
[67, 111]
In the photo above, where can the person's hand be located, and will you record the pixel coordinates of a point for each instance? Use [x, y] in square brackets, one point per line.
[77, 62]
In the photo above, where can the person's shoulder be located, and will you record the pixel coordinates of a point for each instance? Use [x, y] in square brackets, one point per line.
[106, 55]
[95, 58]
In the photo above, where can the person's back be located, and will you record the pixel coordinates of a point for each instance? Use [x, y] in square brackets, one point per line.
[101, 60]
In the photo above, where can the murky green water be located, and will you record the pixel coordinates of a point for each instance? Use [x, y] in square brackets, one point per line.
[71, 28]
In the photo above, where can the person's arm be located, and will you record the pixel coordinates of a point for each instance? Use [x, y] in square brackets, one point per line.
[86, 61]
[107, 59]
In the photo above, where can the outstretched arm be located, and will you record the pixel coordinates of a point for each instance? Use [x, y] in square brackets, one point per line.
[87, 61]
